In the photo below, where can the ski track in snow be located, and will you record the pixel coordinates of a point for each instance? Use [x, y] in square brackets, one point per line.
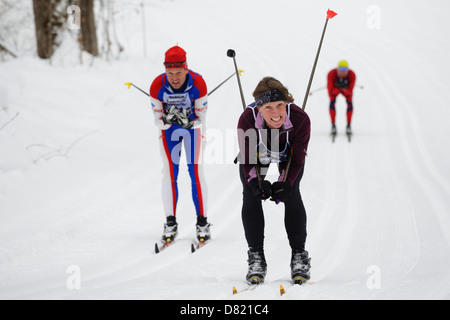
[379, 201]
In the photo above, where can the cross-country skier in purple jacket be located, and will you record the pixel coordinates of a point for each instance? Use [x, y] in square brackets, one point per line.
[271, 130]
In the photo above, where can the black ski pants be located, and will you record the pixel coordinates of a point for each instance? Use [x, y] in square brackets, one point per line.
[294, 218]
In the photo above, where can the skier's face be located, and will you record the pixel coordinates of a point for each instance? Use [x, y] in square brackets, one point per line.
[342, 73]
[176, 77]
[274, 113]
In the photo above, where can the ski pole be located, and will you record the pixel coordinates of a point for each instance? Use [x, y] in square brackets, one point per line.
[129, 84]
[323, 88]
[330, 15]
[232, 54]
[317, 90]
[239, 71]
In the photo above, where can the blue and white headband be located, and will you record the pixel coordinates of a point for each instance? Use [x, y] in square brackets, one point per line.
[269, 96]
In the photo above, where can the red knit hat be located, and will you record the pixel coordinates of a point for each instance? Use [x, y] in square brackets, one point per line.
[175, 58]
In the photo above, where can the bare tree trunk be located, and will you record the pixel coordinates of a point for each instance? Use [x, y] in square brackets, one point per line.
[88, 29]
[43, 10]
[48, 21]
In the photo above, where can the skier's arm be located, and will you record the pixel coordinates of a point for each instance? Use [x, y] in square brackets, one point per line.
[200, 109]
[351, 81]
[200, 104]
[157, 105]
[331, 80]
[158, 113]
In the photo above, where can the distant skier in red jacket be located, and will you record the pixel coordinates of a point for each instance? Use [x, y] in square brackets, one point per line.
[341, 81]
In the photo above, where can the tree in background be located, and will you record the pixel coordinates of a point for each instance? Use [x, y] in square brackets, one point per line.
[66, 29]
[50, 20]
[88, 29]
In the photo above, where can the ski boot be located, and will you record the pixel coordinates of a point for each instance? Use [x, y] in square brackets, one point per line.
[170, 230]
[333, 129]
[257, 267]
[349, 133]
[349, 129]
[202, 228]
[300, 267]
[333, 132]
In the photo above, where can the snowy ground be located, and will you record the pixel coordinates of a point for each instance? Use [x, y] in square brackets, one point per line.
[80, 166]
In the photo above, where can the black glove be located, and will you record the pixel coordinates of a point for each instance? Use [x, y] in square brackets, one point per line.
[184, 121]
[281, 191]
[341, 83]
[171, 116]
[262, 192]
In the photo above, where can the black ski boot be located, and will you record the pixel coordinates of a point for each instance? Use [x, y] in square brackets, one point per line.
[170, 230]
[257, 267]
[300, 267]
[333, 130]
[202, 228]
[349, 133]
[349, 130]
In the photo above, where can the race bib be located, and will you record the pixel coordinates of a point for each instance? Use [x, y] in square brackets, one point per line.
[180, 100]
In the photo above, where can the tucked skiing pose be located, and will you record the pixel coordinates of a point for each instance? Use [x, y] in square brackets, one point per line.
[341, 81]
[179, 102]
[273, 130]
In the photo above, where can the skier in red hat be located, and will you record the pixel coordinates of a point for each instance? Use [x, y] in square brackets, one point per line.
[179, 102]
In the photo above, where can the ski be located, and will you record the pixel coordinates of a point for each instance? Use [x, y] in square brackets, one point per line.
[165, 244]
[252, 287]
[333, 137]
[333, 132]
[349, 133]
[198, 245]
[349, 137]
[297, 282]
[249, 287]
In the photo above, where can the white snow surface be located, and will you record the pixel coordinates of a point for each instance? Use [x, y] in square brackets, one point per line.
[80, 166]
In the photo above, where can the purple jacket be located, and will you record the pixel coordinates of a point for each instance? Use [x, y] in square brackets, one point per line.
[293, 135]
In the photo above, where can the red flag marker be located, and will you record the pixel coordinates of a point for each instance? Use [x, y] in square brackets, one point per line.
[331, 14]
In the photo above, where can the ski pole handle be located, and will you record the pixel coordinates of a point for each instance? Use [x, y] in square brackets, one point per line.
[129, 84]
[232, 54]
